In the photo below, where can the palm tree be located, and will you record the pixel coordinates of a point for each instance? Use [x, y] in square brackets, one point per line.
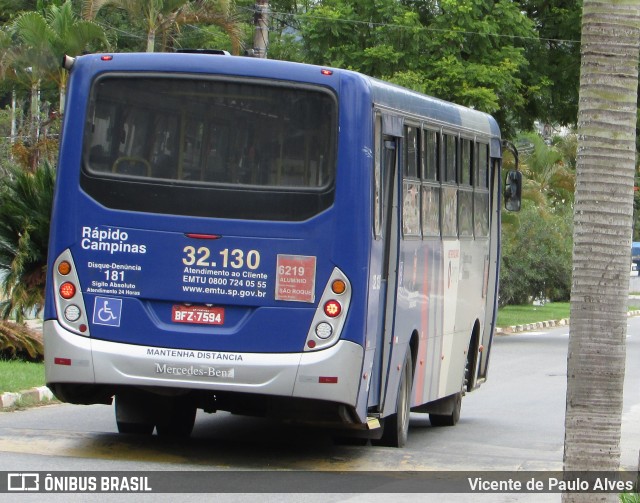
[549, 177]
[25, 206]
[165, 17]
[602, 237]
[44, 38]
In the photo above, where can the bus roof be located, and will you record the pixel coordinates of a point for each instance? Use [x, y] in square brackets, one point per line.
[389, 96]
[440, 112]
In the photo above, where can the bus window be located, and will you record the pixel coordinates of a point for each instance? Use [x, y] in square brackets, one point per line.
[431, 157]
[156, 140]
[411, 184]
[431, 211]
[449, 205]
[430, 185]
[450, 158]
[481, 179]
[466, 165]
[411, 152]
[411, 209]
[465, 194]
[481, 191]
[449, 202]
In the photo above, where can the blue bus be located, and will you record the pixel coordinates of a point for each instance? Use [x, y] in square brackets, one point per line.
[271, 239]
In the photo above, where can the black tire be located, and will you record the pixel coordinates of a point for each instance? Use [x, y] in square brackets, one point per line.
[396, 426]
[176, 418]
[448, 419]
[134, 415]
[453, 418]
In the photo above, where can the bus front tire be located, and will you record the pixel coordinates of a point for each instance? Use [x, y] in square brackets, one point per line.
[396, 426]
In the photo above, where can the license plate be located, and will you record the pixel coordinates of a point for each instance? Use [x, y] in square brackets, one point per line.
[202, 315]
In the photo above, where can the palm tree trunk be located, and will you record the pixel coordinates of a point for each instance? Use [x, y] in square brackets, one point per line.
[35, 123]
[14, 129]
[602, 237]
[151, 41]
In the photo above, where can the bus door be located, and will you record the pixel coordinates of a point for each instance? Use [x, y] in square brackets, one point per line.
[389, 272]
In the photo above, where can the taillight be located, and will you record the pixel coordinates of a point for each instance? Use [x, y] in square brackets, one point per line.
[332, 308]
[64, 268]
[67, 290]
[331, 313]
[68, 296]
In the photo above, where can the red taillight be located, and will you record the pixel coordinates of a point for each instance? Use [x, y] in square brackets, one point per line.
[106, 57]
[67, 290]
[332, 308]
[326, 71]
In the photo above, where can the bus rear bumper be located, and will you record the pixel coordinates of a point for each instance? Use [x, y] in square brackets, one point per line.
[331, 374]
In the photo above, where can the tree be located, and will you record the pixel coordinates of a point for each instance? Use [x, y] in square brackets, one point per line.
[555, 57]
[602, 236]
[30, 53]
[549, 178]
[467, 51]
[56, 33]
[164, 17]
[25, 205]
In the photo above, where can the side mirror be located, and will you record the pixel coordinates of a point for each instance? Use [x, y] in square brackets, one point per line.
[513, 191]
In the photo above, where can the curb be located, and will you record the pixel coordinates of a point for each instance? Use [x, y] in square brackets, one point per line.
[40, 394]
[543, 324]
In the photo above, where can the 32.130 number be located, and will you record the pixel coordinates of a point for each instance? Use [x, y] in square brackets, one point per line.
[236, 259]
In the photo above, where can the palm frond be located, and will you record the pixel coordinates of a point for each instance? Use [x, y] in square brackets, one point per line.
[17, 340]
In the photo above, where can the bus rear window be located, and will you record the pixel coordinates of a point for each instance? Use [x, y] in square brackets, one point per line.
[208, 140]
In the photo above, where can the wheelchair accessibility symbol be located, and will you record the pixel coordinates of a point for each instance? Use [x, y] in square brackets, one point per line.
[106, 311]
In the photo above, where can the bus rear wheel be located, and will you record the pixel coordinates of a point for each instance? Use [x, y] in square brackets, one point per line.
[453, 417]
[176, 418]
[396, 426]
[134, 415]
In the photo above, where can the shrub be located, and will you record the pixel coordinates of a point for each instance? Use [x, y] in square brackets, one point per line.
[536, 257]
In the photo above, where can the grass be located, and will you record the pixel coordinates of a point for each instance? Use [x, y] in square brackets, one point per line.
[520, 315]
[18, 375]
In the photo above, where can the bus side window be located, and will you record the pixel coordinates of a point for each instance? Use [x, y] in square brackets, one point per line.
[411, 183]
[449, 197]
[430, 184]
[481, 191]
[465, 192]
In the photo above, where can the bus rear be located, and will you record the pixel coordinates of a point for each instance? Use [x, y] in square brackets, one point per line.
[193, 259]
